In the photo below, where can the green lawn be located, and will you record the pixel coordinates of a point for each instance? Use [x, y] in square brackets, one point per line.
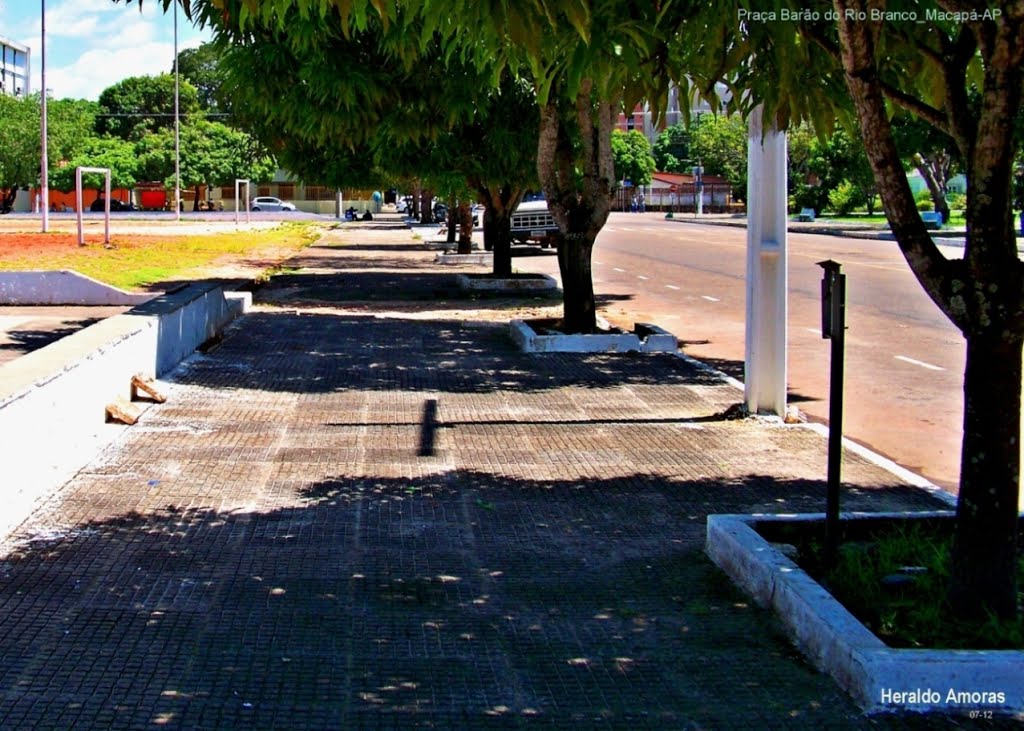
[138, 261]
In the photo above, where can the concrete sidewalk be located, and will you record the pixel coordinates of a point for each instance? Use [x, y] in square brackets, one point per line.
[365, 509]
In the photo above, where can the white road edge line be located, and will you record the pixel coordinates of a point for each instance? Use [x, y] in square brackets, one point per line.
[921, 363]
[709, 298]
[616, 269]
[641, 276]
[672, 286]
[870, 455]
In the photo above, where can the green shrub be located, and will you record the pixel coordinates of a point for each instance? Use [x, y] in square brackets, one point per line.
[956, 201]
[845, 197]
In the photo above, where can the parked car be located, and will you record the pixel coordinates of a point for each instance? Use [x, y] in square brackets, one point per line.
[269, 203]
[532, 222]
[98, 205]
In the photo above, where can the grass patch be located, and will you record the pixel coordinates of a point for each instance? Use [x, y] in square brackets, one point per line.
[914, 614]
[138, 261]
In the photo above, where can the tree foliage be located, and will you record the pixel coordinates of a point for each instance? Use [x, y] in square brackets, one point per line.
[140, 104]
[201, 68]
[20, 146]
[634, 161]
[672, 149]
[719, 145]
[99, 152]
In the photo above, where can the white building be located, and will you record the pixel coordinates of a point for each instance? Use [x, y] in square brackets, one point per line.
[15, 72]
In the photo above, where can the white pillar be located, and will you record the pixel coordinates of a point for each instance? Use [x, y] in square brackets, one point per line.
[767, 265]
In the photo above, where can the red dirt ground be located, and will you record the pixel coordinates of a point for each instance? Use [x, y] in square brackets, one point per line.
[19, 245]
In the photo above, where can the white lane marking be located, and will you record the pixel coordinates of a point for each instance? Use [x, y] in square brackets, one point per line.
[709, 298]
[618, 270]
[672, 286]
[599, 263]
[641, 276]
[813, 330]
[921, 363]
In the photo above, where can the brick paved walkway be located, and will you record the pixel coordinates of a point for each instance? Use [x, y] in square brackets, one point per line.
[342, 521]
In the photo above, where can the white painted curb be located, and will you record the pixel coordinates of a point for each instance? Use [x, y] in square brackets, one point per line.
[837, 643]
[63, 287]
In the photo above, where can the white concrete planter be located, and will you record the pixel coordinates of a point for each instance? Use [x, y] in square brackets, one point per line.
[644, 339]
[486, 259]
[445, 246]
[879, 677]
[63, 287]
[521, 283]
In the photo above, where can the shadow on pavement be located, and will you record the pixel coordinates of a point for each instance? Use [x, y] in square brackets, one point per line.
[451, 600]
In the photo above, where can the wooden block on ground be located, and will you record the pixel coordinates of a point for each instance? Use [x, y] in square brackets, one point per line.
[146, 385]
[123, 411]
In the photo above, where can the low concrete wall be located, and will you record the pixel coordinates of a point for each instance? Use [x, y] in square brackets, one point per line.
[880, 678]
[53, 400]
[62, 287]
[644, 339]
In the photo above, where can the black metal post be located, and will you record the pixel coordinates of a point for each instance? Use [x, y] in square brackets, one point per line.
[833, 327]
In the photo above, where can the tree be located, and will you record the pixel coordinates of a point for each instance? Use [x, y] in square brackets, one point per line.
[631, 153]
[20, 147]
[840, 159]
[211, 154]
[99, 152]
[140, 104]
[69, 128]
[672, 149]
[719, 144]
[930, 69]
[929, 151]
[201, 67]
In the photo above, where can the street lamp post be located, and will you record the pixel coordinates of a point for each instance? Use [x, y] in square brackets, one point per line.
[177, 127]
[44, 177]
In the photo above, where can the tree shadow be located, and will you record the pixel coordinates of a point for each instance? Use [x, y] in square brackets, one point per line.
[309, 353]
[25, 341]
[453, 599]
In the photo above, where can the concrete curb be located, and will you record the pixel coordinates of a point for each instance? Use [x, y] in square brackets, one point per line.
[880, 678]
[63, 287]
[482, 258]
[535, 283]
[53, 400]
[645, 339]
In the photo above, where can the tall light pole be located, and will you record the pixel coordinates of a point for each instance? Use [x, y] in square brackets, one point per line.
[177, 126]
[44, 176]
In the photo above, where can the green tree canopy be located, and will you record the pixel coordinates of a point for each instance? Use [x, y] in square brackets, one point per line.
[719, 144]
[631, 152]
[672, 149]
[141, 104]
[99, 152]
[20, 146]
[200, 67]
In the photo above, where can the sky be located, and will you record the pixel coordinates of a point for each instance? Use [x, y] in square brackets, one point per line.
[93, 44]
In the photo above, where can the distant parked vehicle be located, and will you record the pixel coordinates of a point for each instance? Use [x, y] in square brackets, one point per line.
[269, 203]
[532, 223]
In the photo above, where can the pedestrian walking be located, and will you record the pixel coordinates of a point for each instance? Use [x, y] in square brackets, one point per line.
[640, 202]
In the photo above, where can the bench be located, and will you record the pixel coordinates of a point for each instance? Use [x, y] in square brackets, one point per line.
[806, 215]
[931, 219]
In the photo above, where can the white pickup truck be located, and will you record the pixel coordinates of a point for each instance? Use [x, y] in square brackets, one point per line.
[532, 222]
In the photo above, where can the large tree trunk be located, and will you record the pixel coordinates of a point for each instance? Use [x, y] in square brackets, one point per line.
[195, 202]
[499, 205]
[579, 210]
[426, 207]
[936, 188]
[981, 294]
[464, 216]
[983, 571]
[574, 264]
[451, 221]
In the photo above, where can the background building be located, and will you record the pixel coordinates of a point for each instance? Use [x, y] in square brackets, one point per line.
[15, 72]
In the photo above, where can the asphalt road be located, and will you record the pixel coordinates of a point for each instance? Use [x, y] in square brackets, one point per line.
[904, 359]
